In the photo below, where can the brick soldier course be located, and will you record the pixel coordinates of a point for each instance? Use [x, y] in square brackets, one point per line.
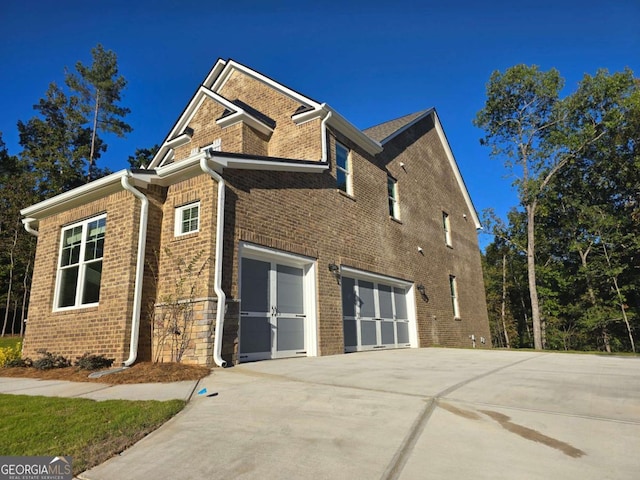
[276, 151]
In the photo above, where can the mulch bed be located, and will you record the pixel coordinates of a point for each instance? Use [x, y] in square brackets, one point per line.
[143, 372]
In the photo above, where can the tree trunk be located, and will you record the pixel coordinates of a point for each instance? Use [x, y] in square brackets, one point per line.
[15, 315]
[621, 300]
[93, 134]
[592, 296]
[25, 294]
[531, 274]
[11, 265]
[504, 300]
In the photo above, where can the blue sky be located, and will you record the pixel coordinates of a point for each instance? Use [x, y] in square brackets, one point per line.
[372, 61]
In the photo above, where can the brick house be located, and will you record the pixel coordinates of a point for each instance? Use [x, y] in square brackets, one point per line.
[275, 226]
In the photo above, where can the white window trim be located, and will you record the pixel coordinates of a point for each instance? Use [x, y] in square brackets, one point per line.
[215, 146]
[453, 287]
[81, 267]
[394, 198]
[179, 212]
[347, 171]
[446, 225]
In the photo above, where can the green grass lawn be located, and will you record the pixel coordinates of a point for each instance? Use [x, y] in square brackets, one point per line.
[89, 431]
[9, 341]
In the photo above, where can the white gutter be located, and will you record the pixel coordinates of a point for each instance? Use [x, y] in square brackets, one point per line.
[137, 292]
[217, 279]
[27, 226]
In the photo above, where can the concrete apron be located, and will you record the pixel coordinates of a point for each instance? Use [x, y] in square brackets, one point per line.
[411, 414]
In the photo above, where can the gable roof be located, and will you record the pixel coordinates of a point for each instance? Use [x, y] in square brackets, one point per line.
[383, 132]
[387, 131]
[309, 110]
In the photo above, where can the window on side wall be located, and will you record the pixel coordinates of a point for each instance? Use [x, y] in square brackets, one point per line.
[343, 169]
[80, 264]
[446, 225]
[453, 285]
[187, 219]
[392, 194]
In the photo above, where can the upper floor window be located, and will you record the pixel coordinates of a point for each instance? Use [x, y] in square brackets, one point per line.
[446, 225]
[343, 169]
[453, 285]
[392, 194]
[187, 219]
[216, 146]
[80, 263]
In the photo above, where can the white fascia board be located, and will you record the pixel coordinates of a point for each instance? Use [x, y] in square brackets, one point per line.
[305, 117]
[233, 65]
[214, 73]
[456, 171]
[82, 195]
[178, 141]
[182, 122]
[190, 167]
[196, 102]
[270, 165]
[179, 171]
[242, 116]
[352, 132]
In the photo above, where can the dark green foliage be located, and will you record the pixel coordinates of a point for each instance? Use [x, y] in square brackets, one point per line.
[142, 157]
[48, 360]
[93, 362]
[19, 362]
[587, 221]
[60, 148]
[97, 91]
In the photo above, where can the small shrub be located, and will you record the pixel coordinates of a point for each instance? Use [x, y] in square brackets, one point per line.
[93, 362]
[10, 354]
[19, 362]
[49, 361]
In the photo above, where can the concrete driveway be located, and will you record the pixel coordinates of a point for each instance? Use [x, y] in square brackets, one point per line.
[409, 414]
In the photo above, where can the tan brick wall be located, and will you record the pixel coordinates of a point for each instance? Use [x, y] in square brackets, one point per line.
[300, 213]
[206, 130]
[288, 139]
[102, 330]
[305, 214]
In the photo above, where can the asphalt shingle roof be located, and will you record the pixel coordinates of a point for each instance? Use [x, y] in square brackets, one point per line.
[383, 130]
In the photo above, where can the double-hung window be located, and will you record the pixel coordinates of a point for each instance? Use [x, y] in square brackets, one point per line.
[343, 169]
[453, 285]
[392, 194]
[187, 219]
[446, 225]
[80, 264]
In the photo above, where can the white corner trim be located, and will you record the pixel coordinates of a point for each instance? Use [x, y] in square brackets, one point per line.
[456, 171]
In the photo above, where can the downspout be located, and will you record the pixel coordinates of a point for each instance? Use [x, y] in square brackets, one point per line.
[217, 279]
[137, 292]
[323, 132]
[27, 226]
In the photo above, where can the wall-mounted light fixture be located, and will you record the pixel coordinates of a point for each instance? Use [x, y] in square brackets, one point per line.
[335, 269]
[423, 292]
